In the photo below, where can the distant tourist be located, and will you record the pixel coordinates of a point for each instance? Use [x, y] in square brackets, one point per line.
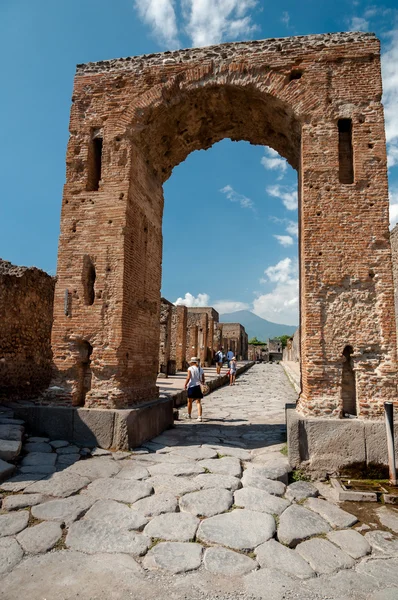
[219, 360]
[232, 371]
[194, 378]
[229, 357]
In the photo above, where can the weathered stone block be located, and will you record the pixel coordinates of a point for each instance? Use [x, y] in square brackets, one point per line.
[93, 427]
[137, 425]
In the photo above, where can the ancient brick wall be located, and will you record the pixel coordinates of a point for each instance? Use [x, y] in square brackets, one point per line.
[317, 101]
[26, 309]
[394, 250]
[234, 337]
[166, 361]
[178, 346]
[291, 352]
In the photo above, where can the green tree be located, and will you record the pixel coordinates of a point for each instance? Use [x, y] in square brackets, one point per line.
[283, 339]
[255, 342]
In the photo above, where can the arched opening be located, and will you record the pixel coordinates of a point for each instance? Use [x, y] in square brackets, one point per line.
[84, 372]
[348, 385]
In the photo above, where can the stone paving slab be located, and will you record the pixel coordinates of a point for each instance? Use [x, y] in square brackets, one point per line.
[323, 556]
[59, 443]
[40, 538]
[117, 514]
[22, 501]
[132, 471]
[44, 469]
[119, 489]
[37, 447]
[298, 523]
[6, 470]
[269, 584]
[268, 472]
[260, 500]
[156, 504]
[382, 543]
[346, 584]
[222, 561]
[212, 480]
[65, 511]
[11, 432]
[208, 502]
[195, 453]
[384, 570]
[331, 513]
[228, 465]
[13, 523]
[9, 449]
[70, 449]
[300, 490]
[95, 468]
[388, 517]
[20, 482]
[256, 480]
[176, 469]
[240, 529]
[239, 453]
[174, 557]
[273, 555]
[170, 484]
[61, 484]
[351, 542]
[91, 536]
[66, 460]
[11, 554]
[173, 527]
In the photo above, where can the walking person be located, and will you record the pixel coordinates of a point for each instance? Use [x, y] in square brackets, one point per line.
[229, 357]
[219, 360]
[195, 377]
[232, 371]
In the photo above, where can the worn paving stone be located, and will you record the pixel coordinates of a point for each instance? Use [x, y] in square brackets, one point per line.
[39, 458]
[6, 469]
[256, 480]
[9, 449]
[11, 554]
[95, 468]
[120, 455]
[66, 460]
[269, 584]
[13, 523]
[297, 523]
[156, 504]
[331, 513]
[228, 465]
[22, 501]
[323, 556]
[351, 542]
[68, 449]
[260, 500]
[190, 468]
[60, 485]
[59, 443]
[344, 585]
[382, 542]
[213, 480]
[175, 485]
[65, 511]
[388, 516]
[239, 529]
[37, 447]
[195, 453]
[386, 594]
[100, 452]
[40, 538]
[273, 555]
[384, 570]
[173, 527]
[208, 502]
[11, 432]
[44, 469]
[174, 557]
[300, 490]
[132, 471]
[92, 536]
[269, 472]
[222, 561]
[119, 489]
[152, 457]
[117, 514]
[38, 440]
[21, 481]
[238, 453]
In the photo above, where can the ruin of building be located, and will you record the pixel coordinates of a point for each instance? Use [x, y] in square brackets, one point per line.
[231, 336]
[291, 353]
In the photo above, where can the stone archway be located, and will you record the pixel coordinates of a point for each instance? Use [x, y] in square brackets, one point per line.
[316, 100]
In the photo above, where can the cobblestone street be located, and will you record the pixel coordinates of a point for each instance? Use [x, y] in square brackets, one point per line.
[207, 510]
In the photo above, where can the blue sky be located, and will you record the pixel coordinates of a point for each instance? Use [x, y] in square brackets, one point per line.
[243, 198]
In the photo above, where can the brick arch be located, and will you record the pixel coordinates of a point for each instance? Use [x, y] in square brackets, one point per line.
[134, 119]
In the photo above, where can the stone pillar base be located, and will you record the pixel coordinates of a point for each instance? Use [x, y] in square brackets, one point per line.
[324, 446]
[121, 429]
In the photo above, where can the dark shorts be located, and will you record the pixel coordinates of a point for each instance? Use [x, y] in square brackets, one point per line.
[195, 392]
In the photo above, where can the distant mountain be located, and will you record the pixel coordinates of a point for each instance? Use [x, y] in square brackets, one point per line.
[256, 326]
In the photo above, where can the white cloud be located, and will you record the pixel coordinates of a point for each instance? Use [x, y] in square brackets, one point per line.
[281, 305]
[292, 228]
[211, 21]
[393, 208]
[229, 306]
[284, 240]
[287, 194]
[389, 65]
[273, 162]
[191, 301]
[234, 196]
[358, 24]
[160, 16]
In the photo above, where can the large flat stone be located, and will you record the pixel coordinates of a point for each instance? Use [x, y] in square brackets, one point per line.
[331, 513]
[5, 469]
[223, 466]
[222, 561]
[207, 503]
[226, 450]
[93, 427]
[388, 516]
[323, 556]
[213, 480]
[59, 443]
[13, 523]
[269, 472]
[297, 523]
[183, 469]
[40, 538]
[65, 511]
[195, 452]
[344, 585]
[92, 536]
[384, 570]
[95, 468]
[351, 542]
[11, 432]
[174, 557]
[11, 554]
[37, 447]
[46, 420]
[254, 479]
[121, 490]
[44, 469]
[132, 471]
[383, 543]
[173, 527]
[156, 504]
[9, 449]
[117, 514]
[21, 481]
[136, 425]
[66, 460]
[273, 555]
[70, 449]
[175, 485]
[239, 529]
[300, 490]
[260, 500]
[39, 459]
[60, 485]
[22, 501]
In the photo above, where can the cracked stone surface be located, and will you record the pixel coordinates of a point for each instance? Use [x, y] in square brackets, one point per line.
[273, 555]
[11, 554]
[298, 523]
[212, 480]
[222, 561]
[132, 471]
[352, 542]
[300, 490]
[157, 504]
[40, 538]
[96, 468]
[260, 500]
[331, 513]
[66, 510]
[91, 536]
[118, 514]
[61, 484]
[239, 529]
[382, 543]
[257, 480]
[175, 557]
[118, 489]
[323, 556]
[227, 465]
[22, 501]
[173, 527]
[13, 523]
[207, 503]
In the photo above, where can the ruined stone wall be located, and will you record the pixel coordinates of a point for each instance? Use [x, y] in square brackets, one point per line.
[178, 346]
[257, 352]
[291, 352]
[206, 319]
[234, 338]
[166, 362]
[26, 309]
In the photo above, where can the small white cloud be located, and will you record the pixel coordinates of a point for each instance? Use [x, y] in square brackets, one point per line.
[160, 16]
[281, 305]
[273, 162]
[292, 228]
[287, 194]
[392, 154]
[229, 306]
[285, 18]
[192, 301]
[284, 240]
[389, 66]
[234, 196]
[393, 208]
[358, 24]
[282, 272]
